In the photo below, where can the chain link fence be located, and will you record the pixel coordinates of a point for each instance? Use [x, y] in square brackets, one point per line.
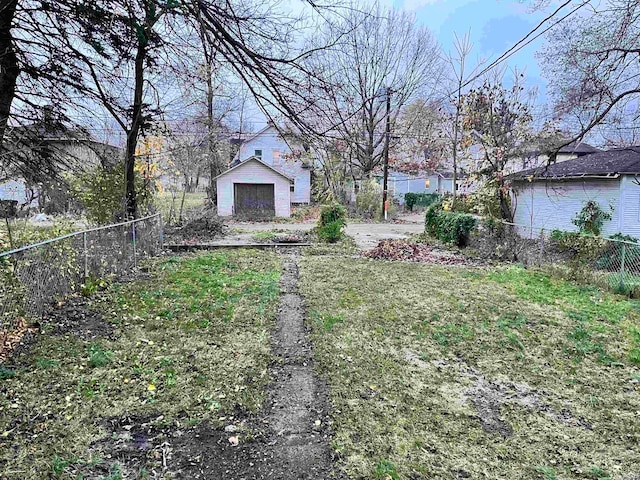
[610, 263]
[33, 277]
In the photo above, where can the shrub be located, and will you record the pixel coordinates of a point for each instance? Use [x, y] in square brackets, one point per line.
[101, 193]
[420, 199]
[369, 199]
[332, 213]
[591, 218]
[449, 227]
[332, 220]
[331, 232]
[204, 224]
[583, 248]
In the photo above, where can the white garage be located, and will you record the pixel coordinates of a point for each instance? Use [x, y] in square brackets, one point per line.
[253, 189]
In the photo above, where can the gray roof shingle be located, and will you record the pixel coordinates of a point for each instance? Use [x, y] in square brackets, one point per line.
[609, 163]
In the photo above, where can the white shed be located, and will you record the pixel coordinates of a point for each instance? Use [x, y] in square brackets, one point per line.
[254, 189]
[550, 198]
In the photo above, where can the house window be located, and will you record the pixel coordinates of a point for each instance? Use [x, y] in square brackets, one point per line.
[258, 153]
[292, 187]
[427, 183]
[276, 155]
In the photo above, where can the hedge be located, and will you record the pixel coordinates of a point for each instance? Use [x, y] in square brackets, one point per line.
[449, 227]
[420, 199]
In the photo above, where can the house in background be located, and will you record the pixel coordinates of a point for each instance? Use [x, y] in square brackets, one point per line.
[276, 151]
[400, 183]
[535, 159]
[254, 189]
[550, 198]
[66, 150]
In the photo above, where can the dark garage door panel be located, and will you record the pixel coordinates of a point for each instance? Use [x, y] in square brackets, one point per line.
[255, 199]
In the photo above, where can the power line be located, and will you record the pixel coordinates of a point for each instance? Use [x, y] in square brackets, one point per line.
[520, 45]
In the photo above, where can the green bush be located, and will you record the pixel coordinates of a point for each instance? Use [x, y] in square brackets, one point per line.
[584, 249]
[420, 199]
[332, 213]
[332, 220]
[101, 193]
[449, 227]
[591, 218]
[331, 232]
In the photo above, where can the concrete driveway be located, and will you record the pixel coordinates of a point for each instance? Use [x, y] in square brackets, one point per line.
[366, 235]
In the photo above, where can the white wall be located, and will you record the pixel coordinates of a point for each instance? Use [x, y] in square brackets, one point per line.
[553, 205]
[253, 172]
[629, 216]
[270, 141]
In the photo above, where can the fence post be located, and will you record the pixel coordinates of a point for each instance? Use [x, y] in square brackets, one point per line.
[86, 255]
[133, 236]
[161, 234]
[622, 261]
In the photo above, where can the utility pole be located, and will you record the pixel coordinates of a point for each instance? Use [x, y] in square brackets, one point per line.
[385, 174]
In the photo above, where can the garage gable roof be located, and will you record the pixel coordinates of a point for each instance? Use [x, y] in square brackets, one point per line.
[610, 163]
[255, 159]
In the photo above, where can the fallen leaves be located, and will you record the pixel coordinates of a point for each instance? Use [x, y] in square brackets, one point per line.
[414, 252]
[10, 339]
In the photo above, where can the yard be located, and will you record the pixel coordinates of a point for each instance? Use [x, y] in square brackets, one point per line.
[464, 372]
[190, 343]
[433, 371]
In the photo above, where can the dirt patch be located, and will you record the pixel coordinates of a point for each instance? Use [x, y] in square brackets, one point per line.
[74, 317]
[488, 397]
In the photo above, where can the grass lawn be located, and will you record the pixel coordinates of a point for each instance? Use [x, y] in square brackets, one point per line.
[456, 372]
[189, 344]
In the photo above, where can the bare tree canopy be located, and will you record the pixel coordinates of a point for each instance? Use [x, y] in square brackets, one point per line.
[376, 53]
[124, 58]
[592, 62]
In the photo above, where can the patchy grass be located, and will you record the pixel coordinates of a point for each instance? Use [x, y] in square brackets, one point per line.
[455, 372]
[264, 236]
[345, 246]
[191, 344]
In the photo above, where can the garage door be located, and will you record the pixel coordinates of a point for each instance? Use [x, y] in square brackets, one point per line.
[254, 200]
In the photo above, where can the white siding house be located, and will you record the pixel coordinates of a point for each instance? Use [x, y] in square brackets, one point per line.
[253, 188]
[401, 183]
[550, 198]
[270, 147]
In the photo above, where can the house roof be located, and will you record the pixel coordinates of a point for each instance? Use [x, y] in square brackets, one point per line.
[610, 163]
[252, 136]
[579, 148]
[255, 159]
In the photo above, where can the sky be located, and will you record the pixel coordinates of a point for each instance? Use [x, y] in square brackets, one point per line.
[493, 26]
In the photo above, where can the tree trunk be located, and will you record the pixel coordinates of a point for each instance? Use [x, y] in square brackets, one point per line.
[9, 69]
[505, 208]
[134, 131]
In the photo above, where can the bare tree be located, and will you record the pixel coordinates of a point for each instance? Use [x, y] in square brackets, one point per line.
[500, 121]
[117, 55]
[592, 62]
[422, 146]
[459, 62]
[377, 53]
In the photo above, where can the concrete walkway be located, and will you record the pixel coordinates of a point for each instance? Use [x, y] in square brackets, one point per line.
[366, 235]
